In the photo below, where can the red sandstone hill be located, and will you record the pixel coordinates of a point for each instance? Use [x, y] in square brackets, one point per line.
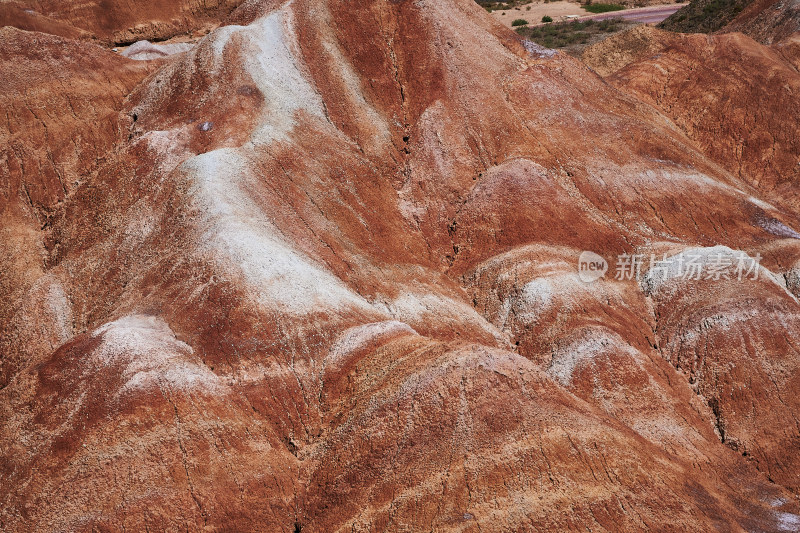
[320, 274]
[768, 21]
[713, 88]
[115, 21]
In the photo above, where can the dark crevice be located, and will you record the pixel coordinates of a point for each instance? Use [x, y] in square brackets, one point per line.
[719, 423]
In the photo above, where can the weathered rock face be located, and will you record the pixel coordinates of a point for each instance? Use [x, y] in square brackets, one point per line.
[767, 21]
[321, 274]
[116, 21]
[736, 356]
[22, 17]
[61, 101]
[713, 89]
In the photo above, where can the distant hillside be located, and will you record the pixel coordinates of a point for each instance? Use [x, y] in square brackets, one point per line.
[704, 16]
[768, 21]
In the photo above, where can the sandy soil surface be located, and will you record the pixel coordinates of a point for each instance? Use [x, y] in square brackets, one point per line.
[537, 11]
[534, 12]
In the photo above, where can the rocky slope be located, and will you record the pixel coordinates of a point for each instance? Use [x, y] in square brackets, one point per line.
[319, 273]
[116, 21]
[705, 16]
[713, 89]
[768, 21]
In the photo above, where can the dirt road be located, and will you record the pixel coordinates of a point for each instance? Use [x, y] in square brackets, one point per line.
[560, 10]
[645, 15]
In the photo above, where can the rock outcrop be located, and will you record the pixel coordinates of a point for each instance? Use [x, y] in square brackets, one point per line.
[713, 89]
[320, 273]
[768, 21]
[117, 22]
[62, 100]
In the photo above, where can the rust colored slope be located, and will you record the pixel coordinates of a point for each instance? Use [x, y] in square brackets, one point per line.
[767, 21]
[117, 21]
[23, 18]
[60, 100]
[327, 281]
[731, 95]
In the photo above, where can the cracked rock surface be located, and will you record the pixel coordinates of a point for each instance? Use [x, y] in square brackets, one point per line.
[320, 272]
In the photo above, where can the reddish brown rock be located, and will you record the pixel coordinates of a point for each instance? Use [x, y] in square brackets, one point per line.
[742, 361]
[127, 429]
[325, 278]
[767, 21]
[117, 21]
[733, 97]
[60, 99]
[714, 89]
[24, 18]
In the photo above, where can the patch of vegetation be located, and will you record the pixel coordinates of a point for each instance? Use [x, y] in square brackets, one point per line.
[704, 16]
[575, 33]
[519, 22]
[602, 8]
[492, 5]
[547, 18]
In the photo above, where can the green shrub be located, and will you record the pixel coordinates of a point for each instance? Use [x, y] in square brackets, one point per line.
[519, 22]
[602, 8]
[570, 33]
[547, 18]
